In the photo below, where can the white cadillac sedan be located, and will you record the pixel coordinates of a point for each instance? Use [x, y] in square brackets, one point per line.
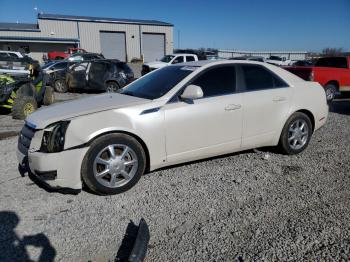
[173, 115]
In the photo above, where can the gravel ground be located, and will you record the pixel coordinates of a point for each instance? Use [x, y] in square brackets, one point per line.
[254, 205]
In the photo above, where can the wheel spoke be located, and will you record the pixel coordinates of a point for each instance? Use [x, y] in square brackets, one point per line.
[102, 173]
[131, 162]
[295, 141]
[102, 161]
[302, 126]
[291, 138]
[111, 151]
[113, 179]
[125, 174]
[125, 152]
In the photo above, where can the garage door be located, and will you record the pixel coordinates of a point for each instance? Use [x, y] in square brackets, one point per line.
[153, 46]
[113, 45]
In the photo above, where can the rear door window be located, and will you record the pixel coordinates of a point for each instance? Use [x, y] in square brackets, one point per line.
[217, 81]
[259, 78]
[189, 58]
[337, 62]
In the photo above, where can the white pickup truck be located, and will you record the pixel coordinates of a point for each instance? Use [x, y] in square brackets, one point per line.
[279, 61]
[168, 60]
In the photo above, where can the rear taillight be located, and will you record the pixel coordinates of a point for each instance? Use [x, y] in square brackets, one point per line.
[311, 77]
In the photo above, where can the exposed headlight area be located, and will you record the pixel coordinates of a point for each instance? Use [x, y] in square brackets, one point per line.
[54, 137]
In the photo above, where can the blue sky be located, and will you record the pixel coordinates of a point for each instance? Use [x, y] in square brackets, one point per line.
[309, 25]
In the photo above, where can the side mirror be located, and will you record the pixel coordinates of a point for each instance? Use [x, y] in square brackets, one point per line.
[192, 92]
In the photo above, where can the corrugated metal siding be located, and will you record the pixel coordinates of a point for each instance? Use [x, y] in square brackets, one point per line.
[60, 29]
[292, 55]
[89, 34]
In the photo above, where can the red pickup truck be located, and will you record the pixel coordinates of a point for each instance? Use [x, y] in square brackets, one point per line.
[56, 55]
[333, 73]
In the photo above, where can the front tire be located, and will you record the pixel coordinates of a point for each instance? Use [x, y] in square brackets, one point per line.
[49, 96]
[113, 164]
[23, 106]
[296, 134]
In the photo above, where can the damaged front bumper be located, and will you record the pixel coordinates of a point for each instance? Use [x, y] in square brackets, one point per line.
[56, 170]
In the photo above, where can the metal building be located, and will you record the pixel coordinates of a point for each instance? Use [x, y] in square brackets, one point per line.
[123, 39]
[292, 55]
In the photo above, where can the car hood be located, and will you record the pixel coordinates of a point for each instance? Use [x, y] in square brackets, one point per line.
[83, 106]
[156, 64]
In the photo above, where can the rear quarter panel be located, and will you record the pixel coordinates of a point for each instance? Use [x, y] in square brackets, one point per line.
[310, 96]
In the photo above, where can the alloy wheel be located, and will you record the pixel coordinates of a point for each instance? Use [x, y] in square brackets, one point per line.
[115, 165]
[298, 134]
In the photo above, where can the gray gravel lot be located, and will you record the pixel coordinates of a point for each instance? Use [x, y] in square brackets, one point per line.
[254, 205]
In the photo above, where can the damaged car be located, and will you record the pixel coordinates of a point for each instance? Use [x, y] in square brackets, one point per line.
[173, 115]
[99, 75]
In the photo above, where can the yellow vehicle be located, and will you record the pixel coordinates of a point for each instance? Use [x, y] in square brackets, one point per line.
[24, 95]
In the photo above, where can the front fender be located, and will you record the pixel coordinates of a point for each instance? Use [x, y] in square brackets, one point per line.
[149, 128]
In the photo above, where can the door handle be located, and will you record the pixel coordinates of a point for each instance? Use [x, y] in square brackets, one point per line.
[232, 107]
[279, 99]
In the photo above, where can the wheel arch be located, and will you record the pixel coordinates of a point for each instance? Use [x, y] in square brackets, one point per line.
[310, 115]
[333, 82]
[112, 81]
[139, 139]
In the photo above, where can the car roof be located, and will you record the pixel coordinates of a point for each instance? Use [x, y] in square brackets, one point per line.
[286, 75]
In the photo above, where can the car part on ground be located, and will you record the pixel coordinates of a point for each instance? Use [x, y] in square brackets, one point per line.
[140, 246]
[99, 75]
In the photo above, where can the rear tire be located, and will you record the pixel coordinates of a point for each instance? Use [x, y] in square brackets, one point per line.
[331, 91]
[108, 173]
[296, 134]
[60, 86]
[49, 96]
[112, 87]
[23, 106]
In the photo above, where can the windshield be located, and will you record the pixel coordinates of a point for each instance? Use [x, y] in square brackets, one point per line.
[167, 58]
[48, 65]
[158, 83]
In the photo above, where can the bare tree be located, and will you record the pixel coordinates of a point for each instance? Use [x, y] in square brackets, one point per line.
[329, 51]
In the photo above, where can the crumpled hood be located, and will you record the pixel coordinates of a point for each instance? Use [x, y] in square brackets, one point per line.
[83, 106]
[156, 64]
